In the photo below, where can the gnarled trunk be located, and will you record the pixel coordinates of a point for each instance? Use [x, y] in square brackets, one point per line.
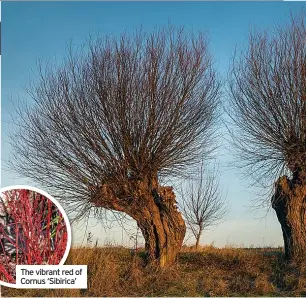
[154, 209]
[289, 202]
[162, 226]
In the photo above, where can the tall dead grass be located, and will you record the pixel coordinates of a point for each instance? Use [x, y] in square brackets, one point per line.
[114, 271]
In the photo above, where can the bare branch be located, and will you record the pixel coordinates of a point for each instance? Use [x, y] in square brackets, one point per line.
[124, 110]
[203, 204]
[268, 102]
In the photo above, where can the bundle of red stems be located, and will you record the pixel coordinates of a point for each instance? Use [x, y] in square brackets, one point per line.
[34, 233]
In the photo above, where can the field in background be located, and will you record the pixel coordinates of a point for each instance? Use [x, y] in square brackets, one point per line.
[116, 271]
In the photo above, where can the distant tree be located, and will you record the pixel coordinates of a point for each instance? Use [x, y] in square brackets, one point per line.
[268, 106]
[107, 125]
[203, 204]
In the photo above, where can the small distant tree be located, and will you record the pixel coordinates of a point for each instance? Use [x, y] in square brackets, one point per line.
[204, 205]
[107, 125]
[268, 107]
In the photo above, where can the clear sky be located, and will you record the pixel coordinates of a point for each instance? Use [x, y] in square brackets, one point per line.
[32, 30]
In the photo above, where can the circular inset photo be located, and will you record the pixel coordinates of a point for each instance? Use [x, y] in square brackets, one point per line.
[34, 230]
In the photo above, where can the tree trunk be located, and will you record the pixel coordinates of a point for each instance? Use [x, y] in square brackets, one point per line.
[289, 203]
[162, 226]
[198, 238]
[154, 209]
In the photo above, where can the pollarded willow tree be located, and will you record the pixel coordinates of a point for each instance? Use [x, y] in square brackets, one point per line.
[268, 100]
[110, 122]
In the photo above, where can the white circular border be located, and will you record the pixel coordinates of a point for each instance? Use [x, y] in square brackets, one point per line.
[68, 227]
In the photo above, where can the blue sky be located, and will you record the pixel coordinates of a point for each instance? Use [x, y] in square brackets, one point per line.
[32, 30]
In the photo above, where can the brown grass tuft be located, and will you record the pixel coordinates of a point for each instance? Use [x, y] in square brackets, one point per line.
[114, 271]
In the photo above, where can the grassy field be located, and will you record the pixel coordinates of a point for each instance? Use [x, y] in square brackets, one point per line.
[114, 271]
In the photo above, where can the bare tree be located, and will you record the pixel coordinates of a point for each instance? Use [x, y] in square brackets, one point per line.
[110, 122]
[203, 204]
[268, 100]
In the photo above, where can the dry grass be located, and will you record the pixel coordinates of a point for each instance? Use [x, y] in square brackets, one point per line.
[113, 271]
